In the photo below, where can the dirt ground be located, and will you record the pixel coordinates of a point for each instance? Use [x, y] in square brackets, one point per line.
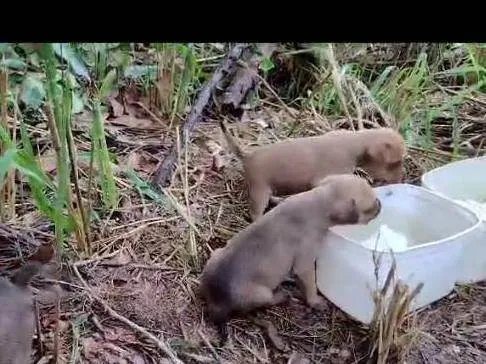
[143, 271]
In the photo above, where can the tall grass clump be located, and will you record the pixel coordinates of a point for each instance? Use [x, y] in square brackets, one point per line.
[59, 198]
[178, 72]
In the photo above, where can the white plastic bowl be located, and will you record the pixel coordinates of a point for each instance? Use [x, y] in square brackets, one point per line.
[436, 229]
[461, 180]
[464, 180]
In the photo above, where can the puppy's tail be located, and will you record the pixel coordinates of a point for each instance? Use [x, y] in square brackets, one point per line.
[234, 147]
[25, 274]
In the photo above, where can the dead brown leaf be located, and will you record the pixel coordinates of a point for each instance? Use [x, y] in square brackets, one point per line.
[262, 123]
[117, 345]
[85, 119]
[218, 163]
[297, 358]
[97, 351]
[117, 109]
[122, 258]
[213, 147]
[48, 162]
[141, 162]
[131, 121]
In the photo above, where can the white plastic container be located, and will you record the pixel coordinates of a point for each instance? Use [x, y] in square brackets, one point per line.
[436, 229]
[461, 181]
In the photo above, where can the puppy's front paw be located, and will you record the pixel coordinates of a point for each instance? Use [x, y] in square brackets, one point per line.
[317, 303]
[280, 297]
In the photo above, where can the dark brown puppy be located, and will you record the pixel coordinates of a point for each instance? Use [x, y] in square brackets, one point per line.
[17, 320]
[245, 273]
[296, 165]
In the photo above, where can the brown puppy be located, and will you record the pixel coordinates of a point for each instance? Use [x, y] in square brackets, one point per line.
[17, 320]
[296, 165]
[246, 272]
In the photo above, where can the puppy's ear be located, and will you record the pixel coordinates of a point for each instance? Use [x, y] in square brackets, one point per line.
[379, 152]
[345, 213]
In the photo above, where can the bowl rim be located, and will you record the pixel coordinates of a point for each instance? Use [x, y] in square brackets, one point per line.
[425, 245]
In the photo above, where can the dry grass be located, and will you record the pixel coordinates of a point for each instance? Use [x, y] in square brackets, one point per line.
[391, 325]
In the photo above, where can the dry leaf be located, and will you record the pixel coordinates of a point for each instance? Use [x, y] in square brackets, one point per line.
[122, 258]
[213, 147]
[140, 162]
[104, 352]
[260, 122]
[85, 119]
[117, 109]
[44, 253]
[297, 358]
[48, 162]
[218, 163]
[115, 346]
[134, 122]
[245, 118]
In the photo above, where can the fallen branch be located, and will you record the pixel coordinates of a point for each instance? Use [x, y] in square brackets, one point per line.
[160, 344]
[163, 175]
[230, 85]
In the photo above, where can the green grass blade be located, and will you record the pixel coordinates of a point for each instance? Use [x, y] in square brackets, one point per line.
[108, 185]
[6, 162]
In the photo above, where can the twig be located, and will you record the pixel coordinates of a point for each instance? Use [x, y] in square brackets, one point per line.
[38, 328]
[208, 344]
[148, 111]
[160, 344]
[56, 331]
[142, 266]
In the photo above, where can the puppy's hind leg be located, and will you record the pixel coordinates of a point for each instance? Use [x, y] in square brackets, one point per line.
[259, 197]
[219, 317]
[257, 296]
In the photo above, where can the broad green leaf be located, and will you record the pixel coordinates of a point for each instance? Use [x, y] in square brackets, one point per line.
[119, 58]
[33, 92]
[267, 65]
[30, 167]
[13, 63]
[146, 189]
[4, 47]
[107, 84]
[65, 51]
[78, 104]
[34, 59]
[139, 71]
